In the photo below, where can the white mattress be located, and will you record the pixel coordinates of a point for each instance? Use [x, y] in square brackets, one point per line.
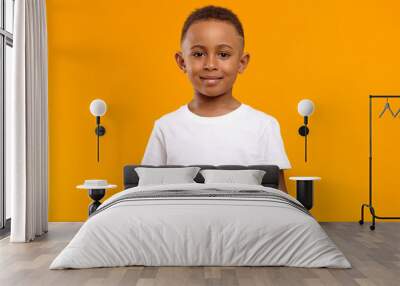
[200, 231]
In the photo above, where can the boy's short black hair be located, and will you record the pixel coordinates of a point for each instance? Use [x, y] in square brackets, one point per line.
[212, 13]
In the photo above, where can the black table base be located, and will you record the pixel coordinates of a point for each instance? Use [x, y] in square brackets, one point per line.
[96, 195]
[304, 190]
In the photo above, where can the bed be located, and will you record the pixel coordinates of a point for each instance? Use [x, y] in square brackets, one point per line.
[201, 224]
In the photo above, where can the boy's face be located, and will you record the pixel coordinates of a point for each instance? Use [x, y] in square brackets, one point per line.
[212, 55]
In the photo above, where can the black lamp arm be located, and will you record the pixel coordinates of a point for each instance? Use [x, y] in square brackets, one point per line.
[303, 131]
[100, 131]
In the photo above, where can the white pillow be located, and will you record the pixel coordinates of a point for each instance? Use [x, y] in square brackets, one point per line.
[249, 177]
[162, 176]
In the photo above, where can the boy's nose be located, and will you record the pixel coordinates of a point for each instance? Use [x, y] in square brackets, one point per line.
[210, 63]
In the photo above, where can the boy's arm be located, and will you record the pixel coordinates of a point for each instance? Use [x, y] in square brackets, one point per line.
[282, 184]
[155, 153]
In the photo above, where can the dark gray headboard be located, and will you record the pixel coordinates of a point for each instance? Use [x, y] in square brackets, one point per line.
[270, 179]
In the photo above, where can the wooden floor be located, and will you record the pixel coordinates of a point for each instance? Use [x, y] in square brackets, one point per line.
[375, 257]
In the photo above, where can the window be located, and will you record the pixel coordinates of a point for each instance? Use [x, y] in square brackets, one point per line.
[6, 60]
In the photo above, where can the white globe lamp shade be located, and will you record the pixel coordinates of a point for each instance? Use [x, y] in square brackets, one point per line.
[305, 107]
[98, 107]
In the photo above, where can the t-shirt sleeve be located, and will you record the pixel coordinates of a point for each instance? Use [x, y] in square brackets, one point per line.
[155, 153]
[275, 150]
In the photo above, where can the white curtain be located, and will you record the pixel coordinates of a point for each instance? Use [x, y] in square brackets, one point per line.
[27, 124]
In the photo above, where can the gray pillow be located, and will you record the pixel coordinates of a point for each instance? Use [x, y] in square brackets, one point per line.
[161, 176]
[249, 177]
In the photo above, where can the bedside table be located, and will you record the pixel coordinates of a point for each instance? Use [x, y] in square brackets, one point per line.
[97, 190]
[304, 190]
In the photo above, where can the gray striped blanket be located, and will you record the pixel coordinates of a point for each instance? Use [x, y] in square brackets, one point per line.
[206, 194]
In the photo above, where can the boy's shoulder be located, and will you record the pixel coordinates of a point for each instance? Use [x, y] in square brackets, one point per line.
[261, 115]
[171, 116]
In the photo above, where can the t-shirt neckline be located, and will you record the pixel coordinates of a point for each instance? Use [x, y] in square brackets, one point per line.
[214, 118]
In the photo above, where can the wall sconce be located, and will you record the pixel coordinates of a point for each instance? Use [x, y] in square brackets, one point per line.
[305, 109]
[98, 108]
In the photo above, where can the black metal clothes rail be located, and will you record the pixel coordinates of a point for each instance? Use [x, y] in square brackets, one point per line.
[369, 205]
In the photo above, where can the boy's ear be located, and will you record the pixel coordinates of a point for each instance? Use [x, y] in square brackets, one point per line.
[180, 61]
[244, 61]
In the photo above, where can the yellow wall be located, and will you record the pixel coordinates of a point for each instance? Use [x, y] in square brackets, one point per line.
[333, 52]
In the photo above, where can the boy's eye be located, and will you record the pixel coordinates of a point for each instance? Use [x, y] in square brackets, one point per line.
[197, 54]
[224, 55]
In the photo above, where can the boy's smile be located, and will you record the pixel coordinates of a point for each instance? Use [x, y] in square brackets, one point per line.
[212, 55]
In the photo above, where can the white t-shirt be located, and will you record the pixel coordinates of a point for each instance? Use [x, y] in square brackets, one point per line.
[244, 136]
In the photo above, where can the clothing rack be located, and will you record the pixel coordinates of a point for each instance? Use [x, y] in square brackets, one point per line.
[370, 206]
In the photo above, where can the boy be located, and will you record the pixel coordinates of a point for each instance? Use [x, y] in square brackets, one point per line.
[214, 127]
